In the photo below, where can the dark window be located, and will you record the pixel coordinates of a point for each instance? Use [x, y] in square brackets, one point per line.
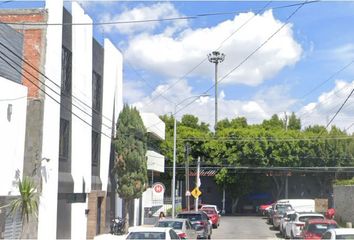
[96, 140]
[173, 235]
[96, 91]
[66, 59]
[64, 140]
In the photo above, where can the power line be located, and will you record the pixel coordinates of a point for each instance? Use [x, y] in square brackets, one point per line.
[148, 20]
[12, 99]
[39, 88]
[259, 47]
[260, 139]
[206, 58]
[42, 74]
[340, 108]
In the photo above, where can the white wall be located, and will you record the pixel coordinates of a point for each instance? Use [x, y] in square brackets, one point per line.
[155, 161]
[81, 133]
[154, 124]
[47, 217]
[112, 98]
[13, 98]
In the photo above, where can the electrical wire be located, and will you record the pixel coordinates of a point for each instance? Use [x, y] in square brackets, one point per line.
[2, 55]
[206, 58]
[258, 48]
[43, 75]
[148, 20]
[335, 115]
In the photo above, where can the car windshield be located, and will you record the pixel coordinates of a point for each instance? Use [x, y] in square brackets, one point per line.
[320, 228]
[146, 235]
[283, 207]
[209, 211]
[171, 224]
[191, 217]
[305, 218]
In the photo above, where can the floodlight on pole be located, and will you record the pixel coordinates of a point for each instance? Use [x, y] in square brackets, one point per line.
[216, 57]
[173, 192]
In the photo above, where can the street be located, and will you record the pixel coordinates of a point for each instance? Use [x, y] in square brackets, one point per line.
[243, 227]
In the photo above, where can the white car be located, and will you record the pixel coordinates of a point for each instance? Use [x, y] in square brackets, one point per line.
[339, 233]
[152, 233]
[297, 221]
[183, 227]
[284, 221]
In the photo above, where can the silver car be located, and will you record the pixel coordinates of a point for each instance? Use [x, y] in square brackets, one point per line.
[183, 227]
[200, 221]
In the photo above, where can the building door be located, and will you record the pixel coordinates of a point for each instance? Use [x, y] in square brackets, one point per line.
[99, 211]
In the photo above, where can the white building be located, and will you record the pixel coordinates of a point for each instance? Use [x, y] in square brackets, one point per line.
[151, 201]
[74, 97]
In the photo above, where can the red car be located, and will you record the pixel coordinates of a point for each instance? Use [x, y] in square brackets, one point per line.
[314, 228]
[213, 216]
[264, 208]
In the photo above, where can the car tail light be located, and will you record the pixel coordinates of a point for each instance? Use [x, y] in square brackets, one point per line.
[300, 225]
[182, 235]
[200, 223]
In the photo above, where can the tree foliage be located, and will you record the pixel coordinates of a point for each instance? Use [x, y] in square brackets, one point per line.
[130, 146]
[269, 144]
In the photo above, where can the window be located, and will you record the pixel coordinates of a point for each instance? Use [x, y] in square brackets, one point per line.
[66, 59]
[64, 139]
[95, 147]
[96, 91]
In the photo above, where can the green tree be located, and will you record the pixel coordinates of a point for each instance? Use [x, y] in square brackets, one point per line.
[131, 165]
[294, 122]
[273, 123]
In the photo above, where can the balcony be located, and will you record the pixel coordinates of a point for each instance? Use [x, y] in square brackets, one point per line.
[154, 125]
[155, 161]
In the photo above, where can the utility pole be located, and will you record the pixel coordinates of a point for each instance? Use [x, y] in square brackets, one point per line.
[287, 173]
[216, 57]
[197, 184]
[187, 176]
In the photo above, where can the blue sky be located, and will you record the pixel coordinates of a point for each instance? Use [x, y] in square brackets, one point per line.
[317, 42]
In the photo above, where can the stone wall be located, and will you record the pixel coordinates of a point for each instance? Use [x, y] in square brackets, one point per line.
[344, 203]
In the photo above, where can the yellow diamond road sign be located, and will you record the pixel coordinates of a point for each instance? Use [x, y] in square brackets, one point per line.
[196, 192]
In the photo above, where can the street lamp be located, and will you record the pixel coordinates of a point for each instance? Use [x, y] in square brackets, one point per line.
[174, 151]
[216, 57]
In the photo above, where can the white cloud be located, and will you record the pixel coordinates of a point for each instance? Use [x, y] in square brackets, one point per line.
[133, 91]
[174, 56]
[255, 109]
[142, 12]
[327, 104]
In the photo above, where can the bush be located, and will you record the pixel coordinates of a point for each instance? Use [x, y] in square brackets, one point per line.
[169, 211]
[344, 182]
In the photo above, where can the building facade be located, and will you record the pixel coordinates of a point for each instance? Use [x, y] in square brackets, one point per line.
[73, 89]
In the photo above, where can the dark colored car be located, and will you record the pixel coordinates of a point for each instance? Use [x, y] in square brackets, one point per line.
[315, 228]
[200, 221]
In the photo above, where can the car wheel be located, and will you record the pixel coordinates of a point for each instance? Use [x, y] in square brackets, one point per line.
[209, 237]
[215, 226]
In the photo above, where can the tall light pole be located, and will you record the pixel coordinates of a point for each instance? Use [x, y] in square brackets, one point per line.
[174, 151]
[216, 57]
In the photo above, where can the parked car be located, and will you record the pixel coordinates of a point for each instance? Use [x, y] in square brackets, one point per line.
[213, 216]
[299, 205]
[200, 221]
[152, 233]
[284, 221]
[314, 228]
[339, 233]
[183, 227]
[280, 210]
[264, 208]
[205, 206]
[297, 222]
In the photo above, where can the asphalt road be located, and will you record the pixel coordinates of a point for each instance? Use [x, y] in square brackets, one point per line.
[243, 227]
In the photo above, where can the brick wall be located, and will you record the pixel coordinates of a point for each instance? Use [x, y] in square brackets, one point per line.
[34, 42]
[344, 203]
[92, 214]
